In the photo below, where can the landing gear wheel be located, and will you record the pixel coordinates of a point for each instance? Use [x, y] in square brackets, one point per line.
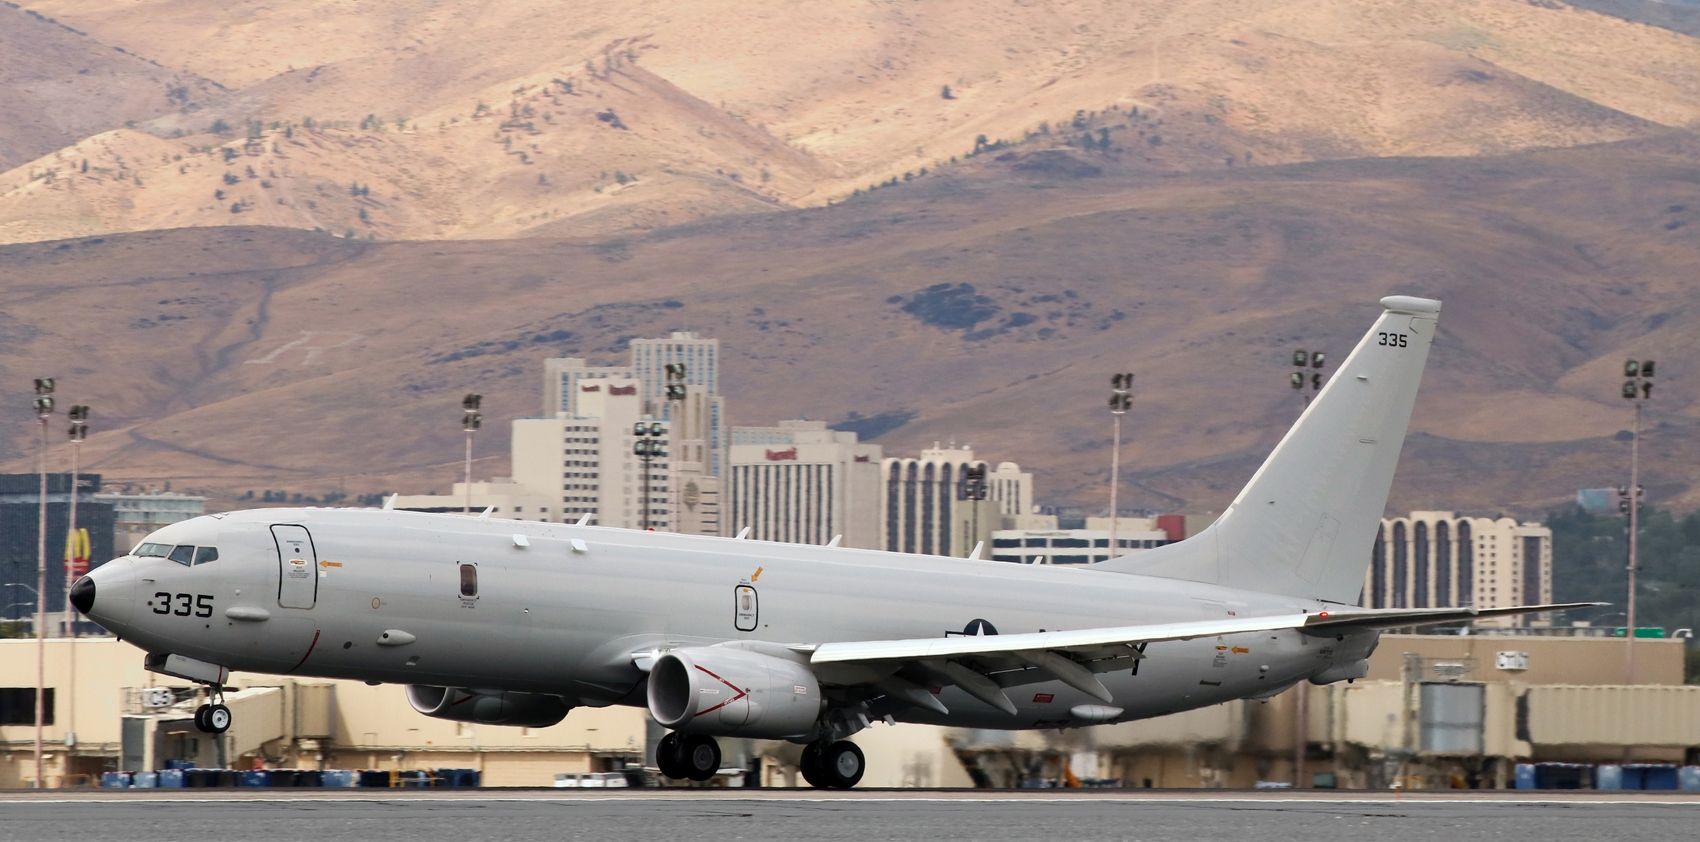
[201, 719]
[809, 766]
[701, 757]
[841, 765]
[670, 757]
[216, 719]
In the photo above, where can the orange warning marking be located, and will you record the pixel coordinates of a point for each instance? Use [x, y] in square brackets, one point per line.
[1240, 650]
[330, 564]
[756, 575]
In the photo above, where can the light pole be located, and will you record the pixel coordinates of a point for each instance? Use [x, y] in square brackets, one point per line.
[76, 563]
[1121, 399]
[1637, 388]
[1307, 387]
[43, 410]
[76, 552]
[647, 447]
[470, 420]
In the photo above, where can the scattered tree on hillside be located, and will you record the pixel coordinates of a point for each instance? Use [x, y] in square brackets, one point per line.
[85, 165]
[219, 127]
[945, 93]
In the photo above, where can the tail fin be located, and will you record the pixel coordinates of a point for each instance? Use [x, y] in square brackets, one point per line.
[1305, 524]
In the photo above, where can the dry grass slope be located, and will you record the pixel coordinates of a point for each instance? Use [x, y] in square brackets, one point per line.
[510, 119]
[988, 302]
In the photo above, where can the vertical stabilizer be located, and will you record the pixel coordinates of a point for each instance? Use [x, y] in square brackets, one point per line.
[1305, 523]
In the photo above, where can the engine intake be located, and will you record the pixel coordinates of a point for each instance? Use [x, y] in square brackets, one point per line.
[489, 707]
[727, 692]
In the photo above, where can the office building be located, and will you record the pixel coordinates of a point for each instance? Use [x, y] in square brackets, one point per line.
[20, 498]
[929, 504]
[135, 514]
[502, 497]
[586, 459]
[1438, 559]
[648, 363]
[1077, 546]
[802, 482]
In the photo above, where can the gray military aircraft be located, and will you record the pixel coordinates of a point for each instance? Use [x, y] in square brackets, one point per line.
[516, 623]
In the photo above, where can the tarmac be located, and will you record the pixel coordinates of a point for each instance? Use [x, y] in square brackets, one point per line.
[861, 815]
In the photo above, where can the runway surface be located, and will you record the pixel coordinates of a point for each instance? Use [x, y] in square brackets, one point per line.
[325, 815]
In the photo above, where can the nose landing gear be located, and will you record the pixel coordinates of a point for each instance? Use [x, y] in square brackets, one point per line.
[693, 757]
[837, 765]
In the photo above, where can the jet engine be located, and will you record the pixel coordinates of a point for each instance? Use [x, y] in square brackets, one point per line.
[727, 692]
[490, 707]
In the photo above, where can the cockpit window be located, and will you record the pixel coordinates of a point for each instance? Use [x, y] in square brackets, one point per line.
[206, 554]
[183, 554]
[152, 551]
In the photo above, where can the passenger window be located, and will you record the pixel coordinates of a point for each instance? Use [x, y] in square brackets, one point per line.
[205, 555]
[469, 580]
[183, 554]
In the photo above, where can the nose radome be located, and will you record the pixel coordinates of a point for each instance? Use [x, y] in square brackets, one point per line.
[82, 594]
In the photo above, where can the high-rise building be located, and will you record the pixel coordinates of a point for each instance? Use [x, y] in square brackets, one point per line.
[648, 366]
[587, 458]
[1439, 560]
[1046, 544]
[802, 482]
[697, 490]
[931, 505]
[560, 382]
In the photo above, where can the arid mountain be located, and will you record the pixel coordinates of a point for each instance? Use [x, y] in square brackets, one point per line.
[420, 120]
[58, 86]
[984, 304]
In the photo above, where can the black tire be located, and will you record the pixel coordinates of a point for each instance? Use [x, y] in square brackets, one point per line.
[217, 719]
[670, 757]
[701, 756]
[842, 765]
[809, 767]
[201, 719]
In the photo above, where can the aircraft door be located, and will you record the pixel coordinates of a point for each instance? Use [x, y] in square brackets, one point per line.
[746, 611]
[298, 564]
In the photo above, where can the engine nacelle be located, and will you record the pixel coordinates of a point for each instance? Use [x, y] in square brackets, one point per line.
[489, 707]
[727, 692]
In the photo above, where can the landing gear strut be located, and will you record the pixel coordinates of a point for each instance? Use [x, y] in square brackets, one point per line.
[693, 757]
[213, 718]
[836, 765]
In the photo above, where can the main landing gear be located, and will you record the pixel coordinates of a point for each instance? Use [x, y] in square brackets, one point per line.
[837, 765]
[688, 757]
[213, 718]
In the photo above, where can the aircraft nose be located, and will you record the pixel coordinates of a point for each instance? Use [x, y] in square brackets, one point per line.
[82, 594]
[115, 584]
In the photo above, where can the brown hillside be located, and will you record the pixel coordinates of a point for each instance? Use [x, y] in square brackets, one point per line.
[728, 107]
[58, 85]
[243, 358]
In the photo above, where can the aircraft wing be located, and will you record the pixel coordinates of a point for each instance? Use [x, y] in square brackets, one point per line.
[1090, 640]
[983, 665]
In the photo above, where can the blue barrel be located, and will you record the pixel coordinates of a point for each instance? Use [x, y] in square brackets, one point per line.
[1688, 779]
[171, 779]
[1608, 776]
[309, 777]
[1634, 776]
[180, 764]
[254, 777]
[1525, 776]
[284, 777]
[374, 778]
[338, 778]
[115, 780]
[1660, 776]
[145, 780]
